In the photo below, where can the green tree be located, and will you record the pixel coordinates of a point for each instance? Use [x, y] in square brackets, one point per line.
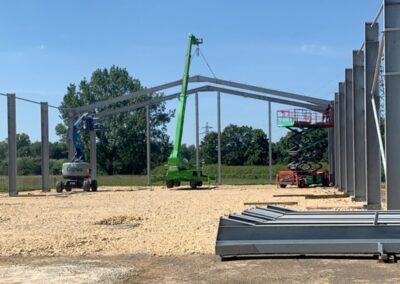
[240, 145]
[58, 151]
[208, 148]
[314, 145]
[121, 146]
[188, 153]
[23, 145]
[257, 151]
[3, 150]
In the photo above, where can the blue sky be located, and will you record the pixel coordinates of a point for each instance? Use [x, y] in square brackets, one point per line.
[295, 46]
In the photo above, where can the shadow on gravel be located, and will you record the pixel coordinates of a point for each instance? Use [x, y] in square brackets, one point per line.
[295, 257]
[191, 189]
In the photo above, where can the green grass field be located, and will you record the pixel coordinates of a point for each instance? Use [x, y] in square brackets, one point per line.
[240, 175]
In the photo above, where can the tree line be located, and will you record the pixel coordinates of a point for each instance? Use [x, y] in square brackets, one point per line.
[121, 146]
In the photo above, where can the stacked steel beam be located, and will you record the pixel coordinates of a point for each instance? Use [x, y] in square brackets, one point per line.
[275, 230]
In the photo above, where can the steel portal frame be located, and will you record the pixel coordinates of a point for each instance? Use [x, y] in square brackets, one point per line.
[318, 105]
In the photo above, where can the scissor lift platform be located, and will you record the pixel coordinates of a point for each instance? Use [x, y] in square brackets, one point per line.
[303, 118]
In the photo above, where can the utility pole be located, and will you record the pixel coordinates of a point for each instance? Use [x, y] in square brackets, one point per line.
[207, 129]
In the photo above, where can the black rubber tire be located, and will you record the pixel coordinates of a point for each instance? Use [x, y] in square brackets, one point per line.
[325, 182]
[193, 184]
[199, 183]
[169, 184]
[177, 184]
[302, 183]
[59, 186]
[93, 185]
[282, 185]
[86, 185]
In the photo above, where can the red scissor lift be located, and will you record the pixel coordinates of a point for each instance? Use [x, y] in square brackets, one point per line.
[301, 173]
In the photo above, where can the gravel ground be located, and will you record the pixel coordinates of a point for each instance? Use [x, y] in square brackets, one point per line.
[118, 221]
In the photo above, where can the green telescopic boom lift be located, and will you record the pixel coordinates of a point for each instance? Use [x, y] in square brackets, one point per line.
[178, 169]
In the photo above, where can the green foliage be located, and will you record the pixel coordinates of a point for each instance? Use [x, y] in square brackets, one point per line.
[29, 156]
[208, 148]
[314, 144]
[189, 153]
[121, 146]
[240, 145]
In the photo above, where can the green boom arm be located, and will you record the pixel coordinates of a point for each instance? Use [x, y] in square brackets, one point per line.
[175, 160]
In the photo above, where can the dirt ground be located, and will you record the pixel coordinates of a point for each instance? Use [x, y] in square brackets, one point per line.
[133, 234]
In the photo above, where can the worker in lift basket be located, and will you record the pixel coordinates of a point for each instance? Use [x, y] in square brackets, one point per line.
[326, 115]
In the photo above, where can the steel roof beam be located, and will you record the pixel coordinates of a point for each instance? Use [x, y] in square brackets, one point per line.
[201, 79]
[209, 88]
[293, 96]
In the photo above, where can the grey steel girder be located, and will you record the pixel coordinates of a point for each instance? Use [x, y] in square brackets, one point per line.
[349, 131]
[392, 100]
[199, 79]
[209, 88]
[337, 142]
[342, 129]
[360, 192]
[274, 230]
[372, 154]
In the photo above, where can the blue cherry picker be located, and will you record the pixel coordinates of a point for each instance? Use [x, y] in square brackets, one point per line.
[76, 174]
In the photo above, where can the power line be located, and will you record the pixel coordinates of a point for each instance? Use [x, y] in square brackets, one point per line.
[29, 101]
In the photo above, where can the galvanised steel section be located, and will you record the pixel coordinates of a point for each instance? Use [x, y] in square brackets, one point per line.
[209, 88]
[93, 155]
[44, 123]
[71, 148]
[219, 138]
[349, 131]
[373, 160]
[337, 141]
[197, 131]
[392, 100]
[199, 79]
[269, 141]
[148, 153]
[272, 230]
[293, 96]
[342, 129]
[12, 145]
[360, 193]
[331, 155]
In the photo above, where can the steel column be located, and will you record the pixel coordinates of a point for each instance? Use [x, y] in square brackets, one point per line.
[270, 141]
[349, 131]
[70, 143]
[12, 145]
[392, 101]
[219, 136]
[373, 160]
[148, 145]
[342, 123]
[44, 120]
[360, 193]
[331, 155]
[197, 131]
[93, 155]
[337, 141]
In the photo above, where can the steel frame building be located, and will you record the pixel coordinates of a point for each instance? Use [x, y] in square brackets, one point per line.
[354, 145]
